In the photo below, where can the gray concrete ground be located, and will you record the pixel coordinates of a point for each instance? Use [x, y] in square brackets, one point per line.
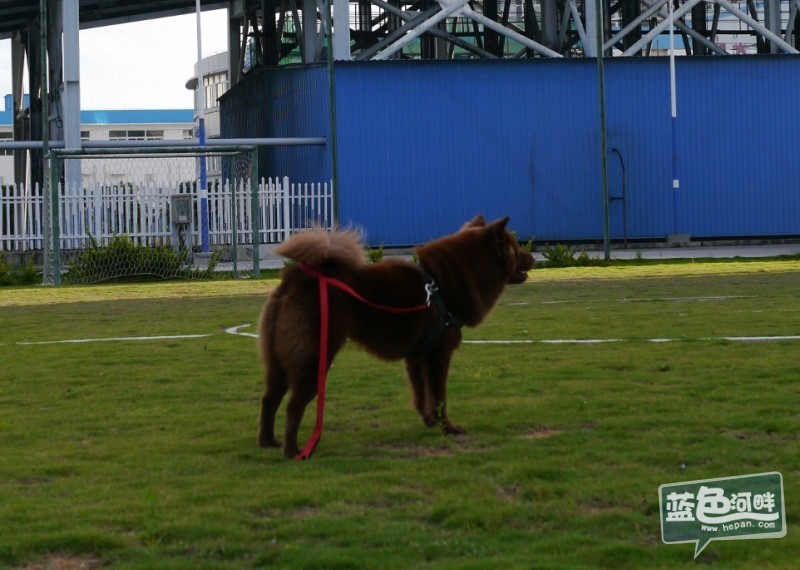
[694, 251]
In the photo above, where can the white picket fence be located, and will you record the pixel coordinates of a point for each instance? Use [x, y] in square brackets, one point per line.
[142, 212]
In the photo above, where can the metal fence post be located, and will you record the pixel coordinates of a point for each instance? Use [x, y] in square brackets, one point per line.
[287, 208]
[234, 186]
[255, 212]
[55, 221]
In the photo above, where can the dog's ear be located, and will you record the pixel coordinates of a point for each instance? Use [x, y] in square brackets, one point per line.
[477, 222]
[499, 226]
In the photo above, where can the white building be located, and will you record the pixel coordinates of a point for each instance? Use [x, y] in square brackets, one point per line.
[105, 125]
[215, 83]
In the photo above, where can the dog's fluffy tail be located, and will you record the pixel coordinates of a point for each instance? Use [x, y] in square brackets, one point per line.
[317, 246]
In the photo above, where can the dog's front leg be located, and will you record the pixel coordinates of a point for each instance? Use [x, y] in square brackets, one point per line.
[416, 378]
[436, 366]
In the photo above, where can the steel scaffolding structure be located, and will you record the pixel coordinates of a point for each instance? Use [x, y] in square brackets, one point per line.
[297, 30]
[44, 39]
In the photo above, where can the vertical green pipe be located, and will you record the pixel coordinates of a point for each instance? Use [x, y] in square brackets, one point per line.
[255, 211]
[234, 185]
[603, 152]
[332, 111]
[55, 224]
[43, 75]
[54, 238]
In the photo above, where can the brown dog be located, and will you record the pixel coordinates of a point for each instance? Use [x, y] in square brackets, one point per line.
[470, 269]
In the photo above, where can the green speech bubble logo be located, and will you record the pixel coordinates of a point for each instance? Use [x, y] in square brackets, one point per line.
[729, 508]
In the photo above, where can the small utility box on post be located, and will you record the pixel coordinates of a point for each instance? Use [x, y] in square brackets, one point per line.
[182, 221]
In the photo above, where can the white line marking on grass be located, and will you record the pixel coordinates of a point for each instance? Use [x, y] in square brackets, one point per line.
[235, 330]
[651, 299]
[114, 339]
[654, 340]
[701, 299]
[754, 338]
[499, 341]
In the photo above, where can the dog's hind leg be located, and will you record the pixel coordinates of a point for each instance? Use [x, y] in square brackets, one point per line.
[304, 388]
[277, 386]
[303, 382]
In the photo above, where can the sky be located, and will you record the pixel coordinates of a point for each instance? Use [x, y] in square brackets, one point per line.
[141, 65]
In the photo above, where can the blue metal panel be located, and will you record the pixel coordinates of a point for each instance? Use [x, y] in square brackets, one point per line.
[115, 117]
[282, 102]
[421, 149]
[425, 145]
[136, 116]
[7, 112]
[738, 119]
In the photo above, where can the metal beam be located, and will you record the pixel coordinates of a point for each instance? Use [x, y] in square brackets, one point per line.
[772, 20]
[409, 24]
[447, 9]
[592, 41]
[70, 86]
[652, 34]
[535, 46]
[406, 16]
[549, 23]
[310, 37]
[21, 130]
[790, 22]
[771, 36]
[635, 24]
[341, 30]
[657, 9]
[630, 10]
[192, 144]
[562, 32]
[700, 38]
[576, 17]
[234, 49]
[37, 88]
[71, 89]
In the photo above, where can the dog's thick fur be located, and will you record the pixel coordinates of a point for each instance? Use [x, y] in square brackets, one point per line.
[471, 268]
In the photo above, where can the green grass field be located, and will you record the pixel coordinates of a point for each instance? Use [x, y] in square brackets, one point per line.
[142, 453]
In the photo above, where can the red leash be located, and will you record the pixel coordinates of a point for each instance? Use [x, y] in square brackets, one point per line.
[322, 366]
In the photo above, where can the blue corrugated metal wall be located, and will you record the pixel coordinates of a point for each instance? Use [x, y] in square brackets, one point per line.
[282, 102]
[423, 146]
[739, 153]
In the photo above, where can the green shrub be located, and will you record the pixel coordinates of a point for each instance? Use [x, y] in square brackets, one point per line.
[4, 277]
[122, 259]
[559, 255]
[375, 254]
[28, 274]
[528, 245]
[583, 260]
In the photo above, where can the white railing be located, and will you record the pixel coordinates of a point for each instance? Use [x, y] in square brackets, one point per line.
[20, 218]
[142, 212]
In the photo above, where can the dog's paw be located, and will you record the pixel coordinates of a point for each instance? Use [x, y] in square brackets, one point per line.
[452, 429]
[430, 421]
[267, 442]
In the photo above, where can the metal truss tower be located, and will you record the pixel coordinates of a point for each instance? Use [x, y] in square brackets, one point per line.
[273, 32]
